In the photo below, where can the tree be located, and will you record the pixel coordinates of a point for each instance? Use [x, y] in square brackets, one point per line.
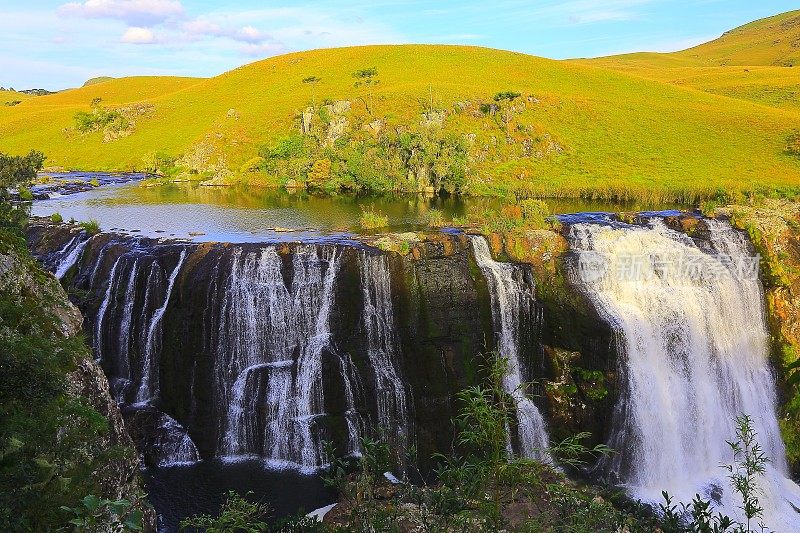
[313, 81]
[18, 170]
[367, 77]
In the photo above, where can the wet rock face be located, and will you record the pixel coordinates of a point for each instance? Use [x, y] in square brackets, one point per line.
[445, 317]
[215, 339]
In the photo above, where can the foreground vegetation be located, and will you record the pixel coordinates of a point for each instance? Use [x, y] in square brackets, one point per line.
[387, 118]
[54, 443]
[483, 488]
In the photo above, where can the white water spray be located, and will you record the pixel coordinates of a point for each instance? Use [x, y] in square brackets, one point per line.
[69, 255]
[101, 312]
[508, 294]
[693, 346]
[150, 369]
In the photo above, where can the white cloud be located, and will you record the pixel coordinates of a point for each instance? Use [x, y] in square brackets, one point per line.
[250, 35]
[136, 35]
[262, 49]
[202, 27]
[198, 28]
[134, 12]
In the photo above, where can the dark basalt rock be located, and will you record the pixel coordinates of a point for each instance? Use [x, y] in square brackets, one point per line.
[442, 316]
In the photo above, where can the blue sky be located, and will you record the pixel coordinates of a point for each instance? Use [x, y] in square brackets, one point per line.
[60, 43]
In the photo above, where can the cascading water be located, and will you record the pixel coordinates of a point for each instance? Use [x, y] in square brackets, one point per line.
[693, 344]
[508, 296]
[148, 385]
[69, 255]
[272, 337]
[101, 313]
[377, 316]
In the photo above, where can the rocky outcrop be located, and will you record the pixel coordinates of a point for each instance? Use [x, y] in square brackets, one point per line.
[442, 318]
[774, 229]
[101, 451]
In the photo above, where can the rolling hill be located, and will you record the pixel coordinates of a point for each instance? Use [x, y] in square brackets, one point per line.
[606, 128]
[750, 62]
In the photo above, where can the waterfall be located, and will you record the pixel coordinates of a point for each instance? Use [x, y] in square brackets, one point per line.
[149, 363]
[125, 327]
[174, 444]
[101, 313]
[508, 296]
[268, 371]
[69, 255]
[691, 333]
[377, 316]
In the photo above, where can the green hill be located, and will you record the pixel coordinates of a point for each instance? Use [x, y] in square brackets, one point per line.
[574, 129]
[750, 63]
[95, 81]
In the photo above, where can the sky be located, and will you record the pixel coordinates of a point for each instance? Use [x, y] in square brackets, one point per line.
[55, 44]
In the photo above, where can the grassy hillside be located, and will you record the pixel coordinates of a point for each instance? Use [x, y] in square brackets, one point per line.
[9, 98]
[574, 130]
[772, 41]
[751, 62]
[95, 81]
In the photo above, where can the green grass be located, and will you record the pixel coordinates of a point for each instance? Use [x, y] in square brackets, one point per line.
[616, 132]
[371, 219]
[748, 63]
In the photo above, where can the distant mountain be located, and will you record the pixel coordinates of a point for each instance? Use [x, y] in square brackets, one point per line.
[752, 62]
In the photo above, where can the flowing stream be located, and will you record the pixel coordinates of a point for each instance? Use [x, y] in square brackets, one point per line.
[693, 343]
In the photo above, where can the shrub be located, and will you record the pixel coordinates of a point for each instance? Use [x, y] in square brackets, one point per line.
[371, 219]
[319, 174]
[93, 515]
[435, 218]
[158, 162]
[97, 119]
[94, 182]
[56, 218]
[91, 227]
[18, 170]
[793, 143]
[709, 207]
[252, 165]
[535, 212]
[25, 194]
[506, 95]
[237, 514]
[749, 462]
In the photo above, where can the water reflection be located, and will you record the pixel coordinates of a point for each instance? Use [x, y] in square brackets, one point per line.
[241, 214]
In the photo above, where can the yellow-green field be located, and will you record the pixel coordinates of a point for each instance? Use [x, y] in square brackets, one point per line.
[753, 62]
[669, 126]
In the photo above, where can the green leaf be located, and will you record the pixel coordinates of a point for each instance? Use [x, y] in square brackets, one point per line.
[118, 507]
[91, 502]
[134, 521]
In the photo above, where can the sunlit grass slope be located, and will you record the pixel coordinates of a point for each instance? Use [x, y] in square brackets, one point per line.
[7, 96]
[752, 62]
[619, 132]
[772, 41]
